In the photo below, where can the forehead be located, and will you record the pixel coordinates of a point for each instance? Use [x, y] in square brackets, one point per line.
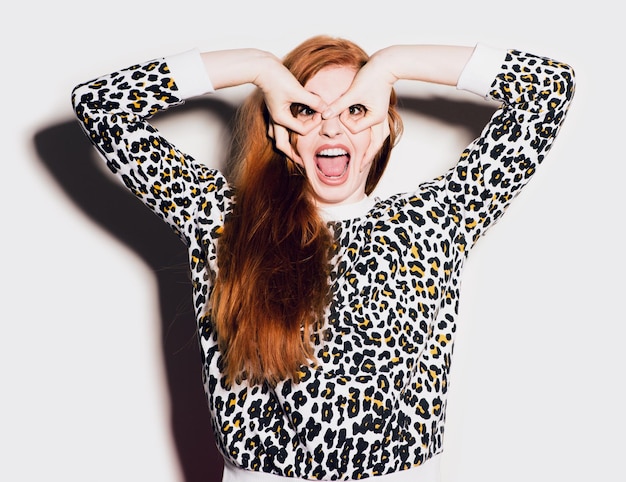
[331, 82]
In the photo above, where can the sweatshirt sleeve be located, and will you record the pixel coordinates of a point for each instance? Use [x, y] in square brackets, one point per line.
[481, 69]
[114, 111]
[534, 95]
[191, 77]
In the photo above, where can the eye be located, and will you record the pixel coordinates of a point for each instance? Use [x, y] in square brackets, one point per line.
[357, 110]
[302, 110]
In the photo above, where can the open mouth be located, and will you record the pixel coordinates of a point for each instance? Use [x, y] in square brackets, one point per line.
[333, 163]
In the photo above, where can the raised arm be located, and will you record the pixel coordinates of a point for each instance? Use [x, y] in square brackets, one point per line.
[534, 93]
[115, 111]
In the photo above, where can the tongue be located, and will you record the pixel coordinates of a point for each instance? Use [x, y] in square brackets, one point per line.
[332, 166]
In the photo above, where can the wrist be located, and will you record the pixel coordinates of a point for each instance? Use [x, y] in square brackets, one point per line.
[229, 68]
[388, 61]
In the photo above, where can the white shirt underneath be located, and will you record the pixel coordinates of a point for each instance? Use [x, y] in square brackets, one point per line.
[427, 472]
[342, 212]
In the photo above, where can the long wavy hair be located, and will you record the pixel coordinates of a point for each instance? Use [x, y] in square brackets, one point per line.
[273, 254]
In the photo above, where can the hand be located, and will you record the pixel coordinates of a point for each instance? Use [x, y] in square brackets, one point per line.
[370, 89]
[281, 90]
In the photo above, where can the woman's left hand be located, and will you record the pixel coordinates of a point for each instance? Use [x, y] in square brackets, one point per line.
[370, 89]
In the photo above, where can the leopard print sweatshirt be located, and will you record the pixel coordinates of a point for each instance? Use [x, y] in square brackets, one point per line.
[375, 402]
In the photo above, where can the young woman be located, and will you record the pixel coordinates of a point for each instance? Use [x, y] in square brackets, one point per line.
[326, 316]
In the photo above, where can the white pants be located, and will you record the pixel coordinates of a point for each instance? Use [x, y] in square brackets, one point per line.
[427, 472]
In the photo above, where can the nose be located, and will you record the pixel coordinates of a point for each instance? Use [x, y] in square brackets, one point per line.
[331, 127]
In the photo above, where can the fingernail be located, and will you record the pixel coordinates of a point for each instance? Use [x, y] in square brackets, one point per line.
[327, 114]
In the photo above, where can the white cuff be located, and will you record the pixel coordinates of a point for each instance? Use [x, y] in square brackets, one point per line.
[188, 72]
[481, 69]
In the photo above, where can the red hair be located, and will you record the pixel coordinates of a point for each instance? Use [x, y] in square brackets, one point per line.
[273, 256]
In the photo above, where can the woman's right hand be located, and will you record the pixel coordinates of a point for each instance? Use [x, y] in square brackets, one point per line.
[281, 91]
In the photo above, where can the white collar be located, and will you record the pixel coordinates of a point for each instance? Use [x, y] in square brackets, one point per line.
[343, 212]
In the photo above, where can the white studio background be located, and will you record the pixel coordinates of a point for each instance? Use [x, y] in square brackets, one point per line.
[536, 383]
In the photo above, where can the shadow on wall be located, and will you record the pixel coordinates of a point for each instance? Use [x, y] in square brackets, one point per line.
[69, 156]
[66, 152]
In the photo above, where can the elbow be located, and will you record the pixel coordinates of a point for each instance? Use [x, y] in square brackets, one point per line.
[571, 82]
[82, 99]
[75, 99]
[568, 77]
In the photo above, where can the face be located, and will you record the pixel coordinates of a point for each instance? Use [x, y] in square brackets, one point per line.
[333, 157]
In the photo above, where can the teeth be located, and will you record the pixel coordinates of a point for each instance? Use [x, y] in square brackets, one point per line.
[333, 152]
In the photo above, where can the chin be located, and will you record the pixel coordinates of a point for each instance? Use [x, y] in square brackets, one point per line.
[337, 198]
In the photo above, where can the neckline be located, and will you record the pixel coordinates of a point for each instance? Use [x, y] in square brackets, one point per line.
[344, 212]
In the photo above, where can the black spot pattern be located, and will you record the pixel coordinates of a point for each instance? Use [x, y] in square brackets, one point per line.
[375, 402]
